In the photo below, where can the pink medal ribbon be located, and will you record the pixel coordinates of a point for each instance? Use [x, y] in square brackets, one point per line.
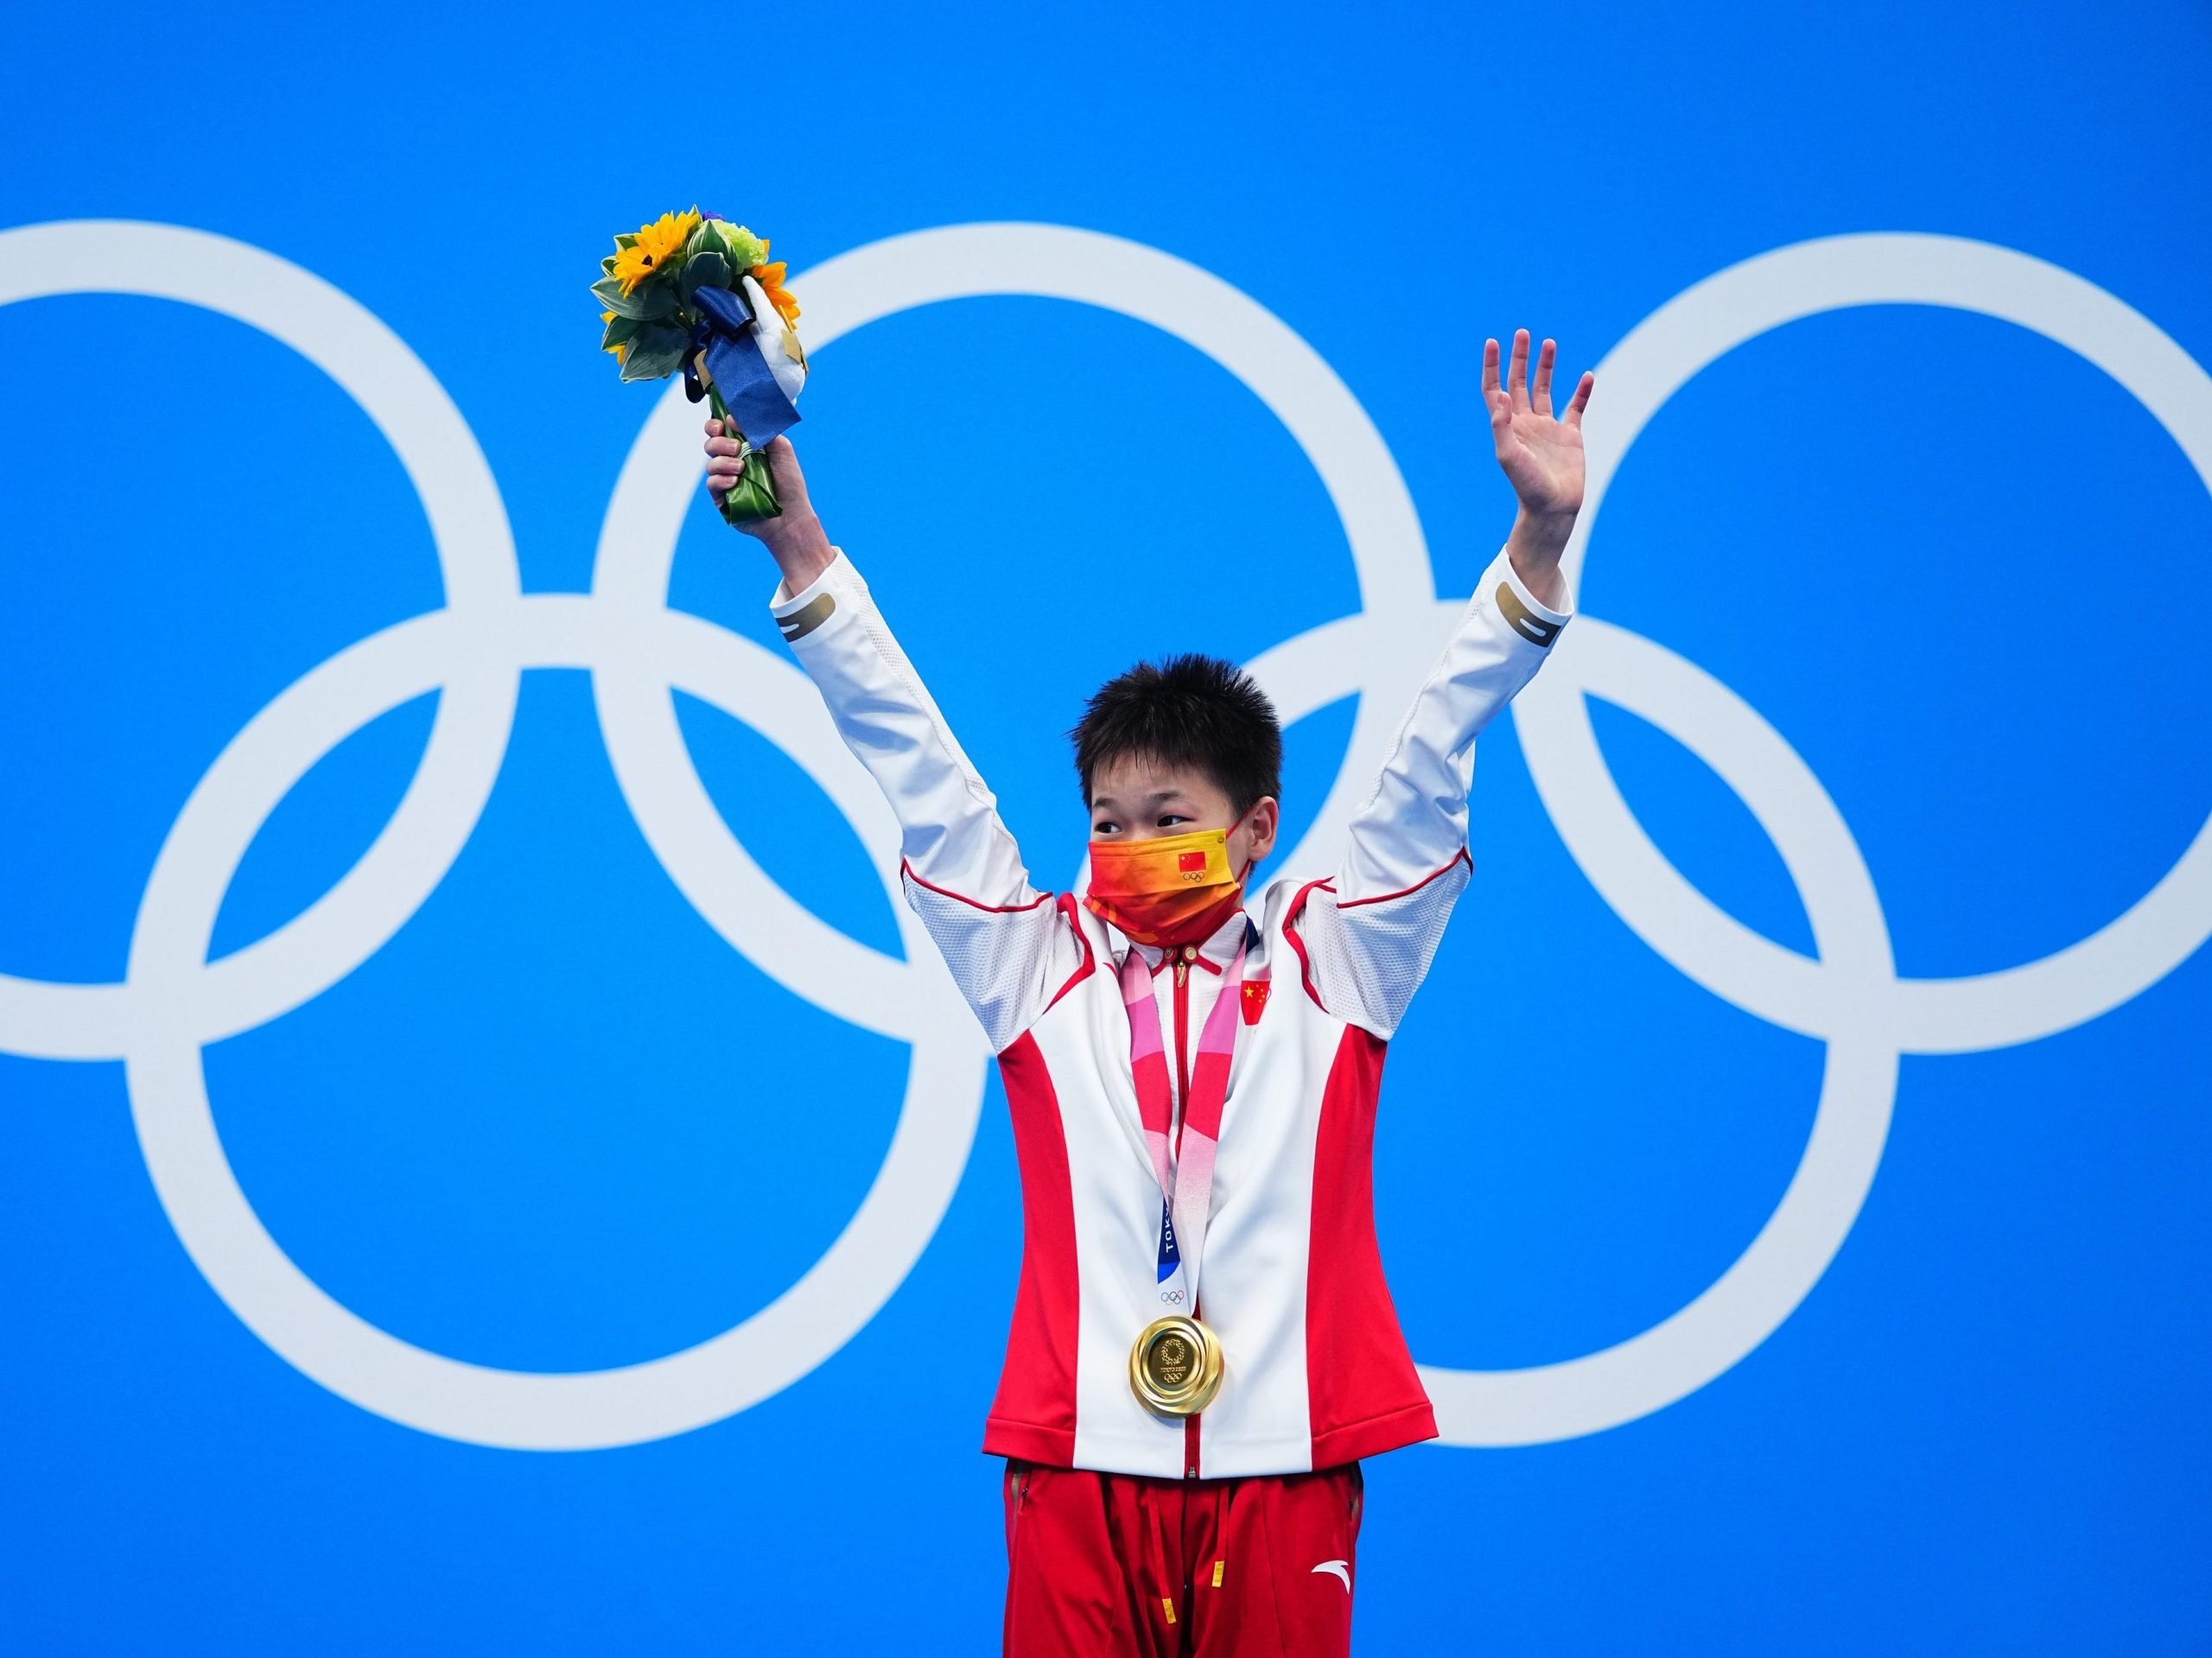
[1186, 1179]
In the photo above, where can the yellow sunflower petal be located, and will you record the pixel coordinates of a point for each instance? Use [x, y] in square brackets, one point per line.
[631, 266]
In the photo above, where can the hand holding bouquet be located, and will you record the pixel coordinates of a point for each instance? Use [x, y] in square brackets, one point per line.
[696, 293]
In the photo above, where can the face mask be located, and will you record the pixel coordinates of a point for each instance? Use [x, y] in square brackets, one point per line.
[1172, 890]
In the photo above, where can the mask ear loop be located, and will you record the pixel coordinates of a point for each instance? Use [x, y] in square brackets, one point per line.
[1251, 864]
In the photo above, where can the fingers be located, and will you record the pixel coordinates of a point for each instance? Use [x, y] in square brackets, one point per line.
[1494, 399]
[726, 466]
[725, 462]
[717, 444]
[722, 447]
[1580, 401]
[1517, 394]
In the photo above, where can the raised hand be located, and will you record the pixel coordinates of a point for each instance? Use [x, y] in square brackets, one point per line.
[1541, 456]
[794, 536]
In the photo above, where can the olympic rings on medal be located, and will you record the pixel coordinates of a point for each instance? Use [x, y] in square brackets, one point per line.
[473, 651]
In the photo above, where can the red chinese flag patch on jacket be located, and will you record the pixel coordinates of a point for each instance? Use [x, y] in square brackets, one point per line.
[1255, 1000]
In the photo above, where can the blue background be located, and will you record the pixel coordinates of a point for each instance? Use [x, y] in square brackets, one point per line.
[1959, 570]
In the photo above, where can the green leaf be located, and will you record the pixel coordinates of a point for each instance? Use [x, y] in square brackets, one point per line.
[620, 331]
[607, 290]
[656, 297]
[626, 240]
[706, 269]
[607, 265]
[656, 351]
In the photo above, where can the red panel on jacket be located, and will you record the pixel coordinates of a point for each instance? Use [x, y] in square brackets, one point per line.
[1364, 1394]
[1033, 1416]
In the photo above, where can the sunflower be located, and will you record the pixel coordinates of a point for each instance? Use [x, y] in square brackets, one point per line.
[667, 234]
[771, 278]
[631, 266]
[654, 245]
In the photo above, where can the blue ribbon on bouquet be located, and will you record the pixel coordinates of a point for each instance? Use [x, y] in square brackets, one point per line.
[730, 339]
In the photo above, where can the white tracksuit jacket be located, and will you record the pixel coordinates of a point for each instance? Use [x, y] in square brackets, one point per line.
[1316, 1369]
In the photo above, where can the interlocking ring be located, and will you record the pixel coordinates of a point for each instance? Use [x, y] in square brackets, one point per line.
[172, 1001]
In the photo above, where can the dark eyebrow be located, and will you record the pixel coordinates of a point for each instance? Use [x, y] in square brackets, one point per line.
[1106, 803]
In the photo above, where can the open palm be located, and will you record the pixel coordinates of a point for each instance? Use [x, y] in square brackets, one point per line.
[1540, 455]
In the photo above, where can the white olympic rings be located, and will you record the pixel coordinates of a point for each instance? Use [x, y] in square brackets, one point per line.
[173, 1000]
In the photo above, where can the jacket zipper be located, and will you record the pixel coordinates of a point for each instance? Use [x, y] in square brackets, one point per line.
[1182, 1022]
[1183, 958]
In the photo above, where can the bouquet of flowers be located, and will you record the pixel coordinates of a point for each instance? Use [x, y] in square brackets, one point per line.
[693, 292]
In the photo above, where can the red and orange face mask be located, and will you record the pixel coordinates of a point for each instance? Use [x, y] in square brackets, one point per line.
[1174, 889]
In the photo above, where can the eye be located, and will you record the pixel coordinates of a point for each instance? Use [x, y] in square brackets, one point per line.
[1169, 820]
[1105, 826]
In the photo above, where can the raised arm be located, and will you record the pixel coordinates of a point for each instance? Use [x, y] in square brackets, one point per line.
[1371, 934]
[1006, 944]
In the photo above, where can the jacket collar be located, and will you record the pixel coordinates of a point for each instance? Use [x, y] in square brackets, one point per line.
[1211, 955]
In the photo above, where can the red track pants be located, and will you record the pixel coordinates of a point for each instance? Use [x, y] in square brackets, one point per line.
[1111, 1566]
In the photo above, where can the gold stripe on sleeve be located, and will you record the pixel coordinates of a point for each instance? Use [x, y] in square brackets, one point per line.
[808, 617]
[1523, 620]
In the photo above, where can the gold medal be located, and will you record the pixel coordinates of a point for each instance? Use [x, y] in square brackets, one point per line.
[1175, 1367]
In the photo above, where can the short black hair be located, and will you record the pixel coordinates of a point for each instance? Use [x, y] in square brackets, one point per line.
[1189, 710]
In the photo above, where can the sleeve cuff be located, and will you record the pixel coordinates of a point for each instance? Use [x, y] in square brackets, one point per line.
[798, 614]
[1504, 591]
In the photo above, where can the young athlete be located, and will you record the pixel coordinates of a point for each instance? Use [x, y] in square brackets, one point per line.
[1202, 1345]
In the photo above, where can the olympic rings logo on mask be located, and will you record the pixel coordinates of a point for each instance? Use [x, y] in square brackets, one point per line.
[173, 1000]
